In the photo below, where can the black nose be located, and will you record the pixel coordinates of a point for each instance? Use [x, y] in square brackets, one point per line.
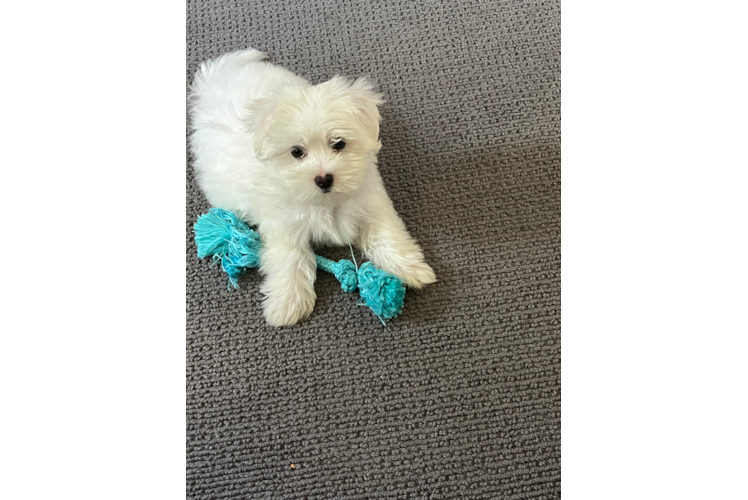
[324, 183]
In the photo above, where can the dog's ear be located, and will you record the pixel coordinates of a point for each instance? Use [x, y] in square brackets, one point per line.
[366, 104]
[257, 120]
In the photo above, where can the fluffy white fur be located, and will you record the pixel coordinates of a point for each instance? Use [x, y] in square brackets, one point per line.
[247, 116]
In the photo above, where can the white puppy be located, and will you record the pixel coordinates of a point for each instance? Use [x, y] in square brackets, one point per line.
[298, 161]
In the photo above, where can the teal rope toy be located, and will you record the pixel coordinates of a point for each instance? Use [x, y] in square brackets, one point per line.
[225, 237]
[345, 272]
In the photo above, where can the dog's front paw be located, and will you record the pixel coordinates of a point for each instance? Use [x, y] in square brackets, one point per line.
[418, 275]
[286, 306]
[409, 267]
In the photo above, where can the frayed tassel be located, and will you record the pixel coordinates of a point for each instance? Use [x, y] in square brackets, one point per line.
[212, 234]
[221, 234]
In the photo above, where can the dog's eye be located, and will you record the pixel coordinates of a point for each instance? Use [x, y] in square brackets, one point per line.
[297, 152]
[338, 145]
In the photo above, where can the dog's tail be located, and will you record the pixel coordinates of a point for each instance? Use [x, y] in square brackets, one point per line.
[209, 70]
[237, 58]
[249, 55]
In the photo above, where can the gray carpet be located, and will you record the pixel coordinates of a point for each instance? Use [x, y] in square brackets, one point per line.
[459, 397]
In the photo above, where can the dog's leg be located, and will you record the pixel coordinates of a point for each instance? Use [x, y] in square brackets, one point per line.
[290, 271]
[385, 240]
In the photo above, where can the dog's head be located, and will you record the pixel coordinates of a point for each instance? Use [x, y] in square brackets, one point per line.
[318, 139]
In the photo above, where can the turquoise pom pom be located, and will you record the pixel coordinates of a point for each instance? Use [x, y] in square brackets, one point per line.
[381, 291]
[221, 234]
